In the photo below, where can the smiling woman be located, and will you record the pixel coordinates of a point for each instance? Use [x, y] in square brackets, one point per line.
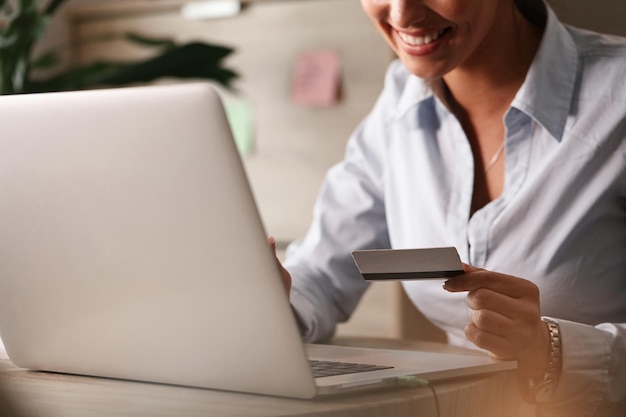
[500, 131]
[437, 37]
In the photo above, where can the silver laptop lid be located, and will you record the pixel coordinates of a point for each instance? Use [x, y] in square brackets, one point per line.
[131, 247]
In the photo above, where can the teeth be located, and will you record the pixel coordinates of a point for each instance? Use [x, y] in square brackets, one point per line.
[421, 40]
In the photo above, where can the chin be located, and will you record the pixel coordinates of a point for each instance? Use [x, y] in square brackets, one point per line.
[425, 71]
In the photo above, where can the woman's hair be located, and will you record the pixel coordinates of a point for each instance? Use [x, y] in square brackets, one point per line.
[533, 10]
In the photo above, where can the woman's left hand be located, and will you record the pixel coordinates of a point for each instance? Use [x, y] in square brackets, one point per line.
[505, 318]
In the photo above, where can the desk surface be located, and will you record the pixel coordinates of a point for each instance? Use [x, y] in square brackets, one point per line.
[39, 394]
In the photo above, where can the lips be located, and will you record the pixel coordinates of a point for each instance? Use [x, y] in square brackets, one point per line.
[422, 43]
[423, 39]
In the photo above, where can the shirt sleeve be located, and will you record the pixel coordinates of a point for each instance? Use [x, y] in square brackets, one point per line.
[349, 214]
[593, 380]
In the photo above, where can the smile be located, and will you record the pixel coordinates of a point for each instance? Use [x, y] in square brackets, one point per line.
[421, 39]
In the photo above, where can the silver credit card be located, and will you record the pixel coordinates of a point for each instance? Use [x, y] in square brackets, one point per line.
[406, 264]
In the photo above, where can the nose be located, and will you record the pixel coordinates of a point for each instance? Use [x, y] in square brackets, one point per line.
[405, 13]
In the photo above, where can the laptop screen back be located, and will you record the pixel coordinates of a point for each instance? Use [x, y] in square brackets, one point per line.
[131, 247]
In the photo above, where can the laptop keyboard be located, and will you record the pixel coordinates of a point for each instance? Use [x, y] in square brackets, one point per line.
[330, 368]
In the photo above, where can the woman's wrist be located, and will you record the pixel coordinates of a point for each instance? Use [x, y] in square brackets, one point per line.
[537, 358]
[539, 382]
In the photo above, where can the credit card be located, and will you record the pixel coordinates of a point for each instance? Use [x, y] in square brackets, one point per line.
[408, 264]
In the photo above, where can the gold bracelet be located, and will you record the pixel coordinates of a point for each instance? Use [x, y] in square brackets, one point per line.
[541, 390]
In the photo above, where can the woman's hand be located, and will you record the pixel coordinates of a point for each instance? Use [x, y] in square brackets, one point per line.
[505, 318]
[283, 272]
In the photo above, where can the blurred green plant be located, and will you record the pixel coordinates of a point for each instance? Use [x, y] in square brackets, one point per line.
[23, 23]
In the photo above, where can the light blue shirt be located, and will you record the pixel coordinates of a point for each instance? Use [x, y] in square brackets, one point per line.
[560, 222]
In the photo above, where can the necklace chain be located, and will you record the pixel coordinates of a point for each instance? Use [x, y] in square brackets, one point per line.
[496, 156]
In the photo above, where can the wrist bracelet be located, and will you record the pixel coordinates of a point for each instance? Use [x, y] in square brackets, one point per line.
[541, 390]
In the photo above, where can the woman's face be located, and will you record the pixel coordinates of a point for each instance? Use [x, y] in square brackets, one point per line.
[434, 37]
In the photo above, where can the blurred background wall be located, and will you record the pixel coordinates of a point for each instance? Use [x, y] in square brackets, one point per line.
[600, 15]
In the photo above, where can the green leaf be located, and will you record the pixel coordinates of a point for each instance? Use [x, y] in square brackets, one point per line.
[191, 61]
[132, 75]
[148, 41]
[46, 60]
[28, 5]
[28, 25]
[194, 60]
[52, 7]
[7, 41]
[73, 79]
[24, 27]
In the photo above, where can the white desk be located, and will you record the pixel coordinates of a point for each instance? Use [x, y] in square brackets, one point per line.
[39, 394]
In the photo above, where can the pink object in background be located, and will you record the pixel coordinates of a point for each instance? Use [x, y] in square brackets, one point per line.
[317, 78]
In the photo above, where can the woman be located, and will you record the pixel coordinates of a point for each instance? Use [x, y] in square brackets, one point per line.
[499, 131]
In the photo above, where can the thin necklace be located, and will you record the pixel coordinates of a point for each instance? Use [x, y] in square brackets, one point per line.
[495, 158]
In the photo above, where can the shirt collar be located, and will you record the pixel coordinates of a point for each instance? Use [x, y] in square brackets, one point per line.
[415, 92]
[547, 91]
[546, 94]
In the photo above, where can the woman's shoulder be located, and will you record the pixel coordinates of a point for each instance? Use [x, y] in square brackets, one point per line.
[603, 64]
[591, 43]
[600, 48]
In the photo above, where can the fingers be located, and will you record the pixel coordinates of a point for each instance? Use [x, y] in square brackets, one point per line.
[528, 345]
[487, 299]
[505, 316]
[497, 345]
[479, 278]
[491, 322]
[272, 241]
[469, 268]
[500, 347]
[500, 315]
[504, 337]
[284, 274]
[514, 298]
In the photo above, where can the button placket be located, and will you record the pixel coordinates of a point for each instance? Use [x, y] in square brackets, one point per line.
[517, 151]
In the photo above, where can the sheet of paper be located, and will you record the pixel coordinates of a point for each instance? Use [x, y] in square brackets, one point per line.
[317, 78]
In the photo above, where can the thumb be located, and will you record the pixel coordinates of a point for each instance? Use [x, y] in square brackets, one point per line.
[469, 268]
[286, 277]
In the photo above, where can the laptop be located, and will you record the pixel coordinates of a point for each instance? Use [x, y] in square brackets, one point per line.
[131, 248]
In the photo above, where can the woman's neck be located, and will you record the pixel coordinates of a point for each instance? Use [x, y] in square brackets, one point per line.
[485, 85]
[480, 92]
